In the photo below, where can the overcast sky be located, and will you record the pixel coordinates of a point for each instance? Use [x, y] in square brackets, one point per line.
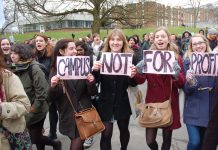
[184, 2]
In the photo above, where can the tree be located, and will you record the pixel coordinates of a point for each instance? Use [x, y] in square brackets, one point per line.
[101, 10]
[195, 5]
[10, 14]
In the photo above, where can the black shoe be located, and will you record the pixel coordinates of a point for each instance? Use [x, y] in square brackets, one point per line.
[52, 136]
[58, 145]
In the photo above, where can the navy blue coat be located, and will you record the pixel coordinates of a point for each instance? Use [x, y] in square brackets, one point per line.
[198, 103]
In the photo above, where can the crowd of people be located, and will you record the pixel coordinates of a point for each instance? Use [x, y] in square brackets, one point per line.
[30, 85]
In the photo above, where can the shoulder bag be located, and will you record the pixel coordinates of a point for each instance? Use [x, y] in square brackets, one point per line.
[155, 115]
[88, 121]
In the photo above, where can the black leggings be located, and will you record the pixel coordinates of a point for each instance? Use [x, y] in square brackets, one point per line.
[76, 144]
[151, 134]
[37, 137]
[105, 143]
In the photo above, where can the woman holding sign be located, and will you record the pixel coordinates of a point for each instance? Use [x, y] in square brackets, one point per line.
[79, 90]
[113, 101]
[199, 95]
[162, 87]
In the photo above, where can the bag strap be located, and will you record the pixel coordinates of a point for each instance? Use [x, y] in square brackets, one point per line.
[68, 96]
[171, 88]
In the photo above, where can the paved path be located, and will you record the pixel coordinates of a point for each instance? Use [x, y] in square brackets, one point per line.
[137, 138]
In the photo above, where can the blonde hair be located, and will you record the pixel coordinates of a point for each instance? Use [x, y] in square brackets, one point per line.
[118, 32]
[190, 48]
[170, 46]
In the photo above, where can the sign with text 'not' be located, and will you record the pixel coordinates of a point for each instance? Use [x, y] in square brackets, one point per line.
[116, 63]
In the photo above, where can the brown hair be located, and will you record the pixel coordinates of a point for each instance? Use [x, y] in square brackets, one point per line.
[61, 44]
[48, 48]
[118, 32]
[2, 67]
[171, 46]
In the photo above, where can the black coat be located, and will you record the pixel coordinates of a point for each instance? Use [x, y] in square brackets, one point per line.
[80, 92]
[113, 98]
[211, 135]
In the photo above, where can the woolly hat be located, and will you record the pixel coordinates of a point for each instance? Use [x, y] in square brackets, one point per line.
[212, 31]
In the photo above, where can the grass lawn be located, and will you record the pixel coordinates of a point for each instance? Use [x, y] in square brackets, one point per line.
[66, 33]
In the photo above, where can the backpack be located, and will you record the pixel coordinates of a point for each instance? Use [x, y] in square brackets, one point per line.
[42, 67]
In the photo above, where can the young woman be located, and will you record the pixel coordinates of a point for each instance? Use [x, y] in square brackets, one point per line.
[36, 88]
[160, 88]
[199, 95]
[6, 49]
[113, 101]
[80, 92]
[14, 104]
[43, 53]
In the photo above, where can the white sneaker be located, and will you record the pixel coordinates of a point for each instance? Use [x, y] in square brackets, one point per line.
[88, 142]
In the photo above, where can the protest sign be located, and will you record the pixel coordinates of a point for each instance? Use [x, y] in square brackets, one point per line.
[158, 62]
[204, 64]
[73, 67]
[116, 63]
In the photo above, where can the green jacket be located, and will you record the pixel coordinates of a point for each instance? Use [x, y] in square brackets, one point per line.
[36, 89]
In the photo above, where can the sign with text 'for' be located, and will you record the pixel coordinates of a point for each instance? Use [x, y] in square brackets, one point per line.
[158, 61]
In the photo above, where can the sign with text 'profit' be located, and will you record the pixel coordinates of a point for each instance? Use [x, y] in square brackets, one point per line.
[116, 63]
[158, 61]
[73, 67]
[204, 64]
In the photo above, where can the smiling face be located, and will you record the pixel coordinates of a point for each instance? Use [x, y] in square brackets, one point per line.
[115, 44]
[198, 44]
[161, 40]
[40, 43]
[15, 57]
[70, 50]
[6, 46]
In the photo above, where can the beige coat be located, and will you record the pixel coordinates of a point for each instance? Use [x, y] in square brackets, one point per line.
[14, 106]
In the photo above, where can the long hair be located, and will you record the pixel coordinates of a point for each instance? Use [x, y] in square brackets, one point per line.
[118, 32]
[61, 44]
[48, 48]
[2, 66]
[190, 48]
[170, 46]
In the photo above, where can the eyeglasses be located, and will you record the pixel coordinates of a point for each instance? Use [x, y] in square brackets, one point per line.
[199, 43]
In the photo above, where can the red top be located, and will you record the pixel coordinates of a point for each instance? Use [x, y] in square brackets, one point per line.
[158, 90]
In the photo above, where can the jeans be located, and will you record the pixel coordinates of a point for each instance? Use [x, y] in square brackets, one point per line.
[196, 135]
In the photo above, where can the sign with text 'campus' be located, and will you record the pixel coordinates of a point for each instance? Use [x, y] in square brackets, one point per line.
[116, 63]
[158, 61]
[73, 67]
[204, 64]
